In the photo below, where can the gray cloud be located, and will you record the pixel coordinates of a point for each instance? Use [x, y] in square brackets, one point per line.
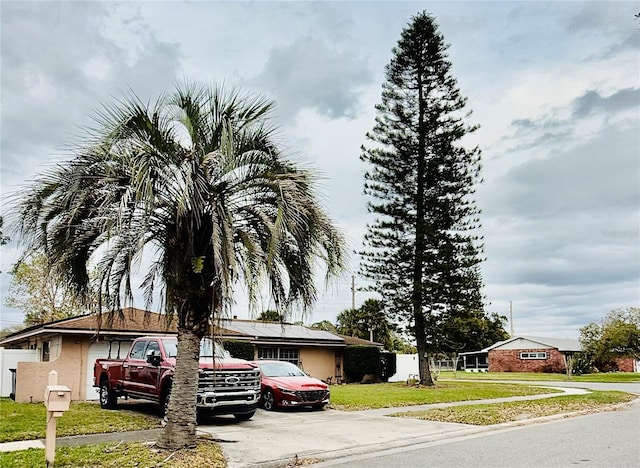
[311, 74]
[58, 68]
[621, 100]
[562, 232]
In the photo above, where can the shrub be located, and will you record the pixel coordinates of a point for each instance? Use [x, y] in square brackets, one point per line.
[581, 364]
[388, 365]
[360, 361]
[240, 349]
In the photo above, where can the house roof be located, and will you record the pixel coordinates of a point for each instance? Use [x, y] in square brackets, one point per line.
[263, 332]
[355, 341]
[561, 344]
[133, 322]
[137, 322]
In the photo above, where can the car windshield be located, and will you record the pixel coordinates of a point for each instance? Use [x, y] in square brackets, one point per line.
[206, 348]
[280, 369]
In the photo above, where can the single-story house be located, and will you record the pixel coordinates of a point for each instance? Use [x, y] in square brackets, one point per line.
[522, 354]
[71, 346]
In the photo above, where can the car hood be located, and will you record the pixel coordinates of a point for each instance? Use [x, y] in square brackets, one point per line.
[226, 364]
[297, 383]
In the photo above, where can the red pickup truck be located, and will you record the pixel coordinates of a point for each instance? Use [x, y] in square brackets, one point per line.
[225, 385]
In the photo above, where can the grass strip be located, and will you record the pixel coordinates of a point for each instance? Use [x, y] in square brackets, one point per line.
[488, 414]
[609, 377]
[27, 421]
[123, 455]
[354, 397]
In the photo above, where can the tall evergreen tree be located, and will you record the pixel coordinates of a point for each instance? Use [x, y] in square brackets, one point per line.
[422, 251]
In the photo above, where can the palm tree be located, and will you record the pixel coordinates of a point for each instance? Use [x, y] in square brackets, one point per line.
[198, 182]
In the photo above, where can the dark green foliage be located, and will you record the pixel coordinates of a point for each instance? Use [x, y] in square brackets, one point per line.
[360, 361]
[361, 322]
[617, 336]
[422, 251]
[270, 316]
[471, 331]
[388, 365]
[581, 364]
[325, 325]
[240, 349]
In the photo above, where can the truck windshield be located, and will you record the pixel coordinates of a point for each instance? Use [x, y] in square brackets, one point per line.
[206, 348]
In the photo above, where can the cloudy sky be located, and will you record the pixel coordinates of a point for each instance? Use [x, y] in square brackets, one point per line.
[554, 86]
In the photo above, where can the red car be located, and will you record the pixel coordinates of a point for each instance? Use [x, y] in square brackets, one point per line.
[285, 385]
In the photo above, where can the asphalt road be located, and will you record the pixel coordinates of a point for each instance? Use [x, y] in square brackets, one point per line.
[609, 440]
[276, 439]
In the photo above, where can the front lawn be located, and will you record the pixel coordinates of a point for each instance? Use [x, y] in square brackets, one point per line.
[355, 397]
[608, 377]
[497, 413]
[138, 455]
[25, 421]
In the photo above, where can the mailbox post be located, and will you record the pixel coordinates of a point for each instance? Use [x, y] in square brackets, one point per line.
[57, 399]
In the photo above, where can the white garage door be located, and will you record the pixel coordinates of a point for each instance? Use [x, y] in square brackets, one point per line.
[96, 350]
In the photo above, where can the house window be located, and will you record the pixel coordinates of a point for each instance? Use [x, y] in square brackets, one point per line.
[46, 350]
[279, 354]
[542, 355]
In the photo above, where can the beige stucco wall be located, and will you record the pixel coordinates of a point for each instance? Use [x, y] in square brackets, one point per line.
[70, 364]
[319, 362]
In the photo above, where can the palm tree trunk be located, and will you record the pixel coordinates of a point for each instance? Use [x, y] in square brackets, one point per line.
[180, 429]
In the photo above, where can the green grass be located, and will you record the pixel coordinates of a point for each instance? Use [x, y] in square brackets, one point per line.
[518, 410]
[355, 397]
[25, 421]
[609, 377]
[132, 455]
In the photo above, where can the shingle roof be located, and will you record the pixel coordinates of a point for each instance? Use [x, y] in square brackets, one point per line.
[561, 344]
[133, 321]
[262, 331]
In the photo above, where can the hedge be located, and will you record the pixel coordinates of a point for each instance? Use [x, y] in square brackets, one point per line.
[240, 349]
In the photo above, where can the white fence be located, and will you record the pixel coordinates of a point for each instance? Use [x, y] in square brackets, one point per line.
[406, 364]
[9, 359]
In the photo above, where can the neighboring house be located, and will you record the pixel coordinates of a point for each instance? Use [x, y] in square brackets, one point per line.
[71, 346]
[522, 354]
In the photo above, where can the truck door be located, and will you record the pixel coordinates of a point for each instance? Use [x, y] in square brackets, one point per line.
[149, 373]
[132, 365]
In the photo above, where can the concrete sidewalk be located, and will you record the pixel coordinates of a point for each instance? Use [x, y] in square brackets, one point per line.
[89, 439]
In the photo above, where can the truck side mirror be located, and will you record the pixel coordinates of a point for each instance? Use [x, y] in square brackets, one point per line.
[154, 359]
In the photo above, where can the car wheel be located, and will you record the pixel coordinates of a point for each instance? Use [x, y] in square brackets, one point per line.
[244, 416]
[268, 400]
[108, 398]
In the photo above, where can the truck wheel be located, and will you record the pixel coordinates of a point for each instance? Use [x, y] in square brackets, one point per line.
[164, 400]
[108, 398]
[244, 416]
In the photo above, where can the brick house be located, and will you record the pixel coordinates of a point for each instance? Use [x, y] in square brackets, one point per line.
[532, 354]
[523, 354]
[71, 346]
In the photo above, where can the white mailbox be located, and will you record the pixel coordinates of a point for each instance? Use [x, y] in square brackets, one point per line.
[57, 398]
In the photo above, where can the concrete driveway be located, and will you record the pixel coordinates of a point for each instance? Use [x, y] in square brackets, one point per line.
[277, 438]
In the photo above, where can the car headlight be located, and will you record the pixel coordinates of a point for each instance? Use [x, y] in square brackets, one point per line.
[287, 391]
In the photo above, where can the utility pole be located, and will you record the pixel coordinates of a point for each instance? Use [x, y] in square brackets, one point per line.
[353, 292]
[511, 317]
